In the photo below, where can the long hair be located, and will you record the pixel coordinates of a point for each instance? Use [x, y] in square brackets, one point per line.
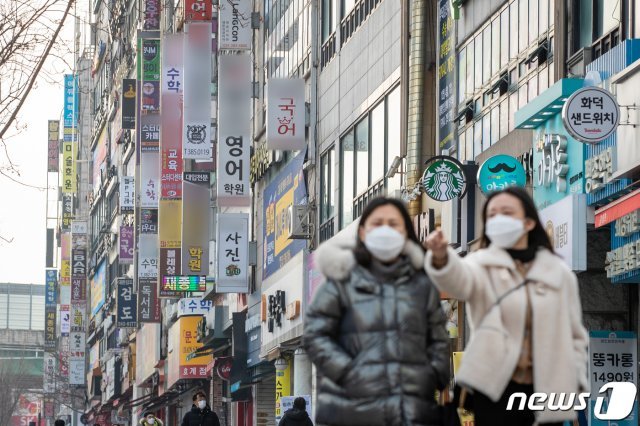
[362, 254]
[538, 237]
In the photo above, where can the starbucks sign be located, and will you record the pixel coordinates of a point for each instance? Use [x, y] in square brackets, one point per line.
[444, 179]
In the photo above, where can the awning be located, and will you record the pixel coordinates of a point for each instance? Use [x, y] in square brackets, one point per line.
[621, 207]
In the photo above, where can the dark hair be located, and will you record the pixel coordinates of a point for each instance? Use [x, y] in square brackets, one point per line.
[147, 413]
[199, 393]
[538, 237]
[362, 254]
[300, 403]
[59, 422]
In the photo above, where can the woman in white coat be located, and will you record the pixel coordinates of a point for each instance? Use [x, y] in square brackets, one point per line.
[524, 314]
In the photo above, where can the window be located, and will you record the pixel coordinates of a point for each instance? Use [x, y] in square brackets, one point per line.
[462, 73]
[533, 21]
[513, 107]
[606, 16]
[543, 83]
[523, 36]
[348, 177]
[522, 95]
[462, 147]
[470, 143]
[347, 5]
[362, 155]
[393, 137]
[486, 131]
[470, 80]
[327, 185]
[477, 137]
[377, 143]
[504, 40]
[504, 118]
[495, 125]
[533, 87]
[478, 66]
[486, 56]
[544, 16]
[495, 44]
[513, 33]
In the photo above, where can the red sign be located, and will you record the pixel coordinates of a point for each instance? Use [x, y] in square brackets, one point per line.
[197, 10]
[617, 209]
[223, 368]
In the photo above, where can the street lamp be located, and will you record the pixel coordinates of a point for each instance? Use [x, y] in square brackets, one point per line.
[281, 364]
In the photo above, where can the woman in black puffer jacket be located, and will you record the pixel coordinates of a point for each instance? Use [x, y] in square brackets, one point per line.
[375, 330]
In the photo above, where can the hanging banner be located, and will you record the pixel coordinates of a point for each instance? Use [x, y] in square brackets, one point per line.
[286, 111]
[149, 180]
[126, 304]
[77, 371]
[198, 10]
[127, 195]
[169, 223]
[235, 25]
[148, 256]
[283, 388]
[150, 133]
[78, 289]
[67, 212]
[127, 245]
[170, 266]
[79, 230]
[148, 221]
[129, 103]
[78, 317]
[151, 15]
[50, 327]
[151, 76]
[51, 288]
[69, 153]
[98, 286]
[196, 137]
[54, 149]
[232, 247]
[49, 379]
[65, 320]
[77, 343]
[446, 76]
[234, 134]
[195, 231]
[194, 306]
[171, 120]
[79, 263]
[149, 309]
[71, 107]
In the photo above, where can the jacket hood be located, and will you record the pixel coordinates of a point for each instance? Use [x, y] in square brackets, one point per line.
[336, 258]
[296, 414]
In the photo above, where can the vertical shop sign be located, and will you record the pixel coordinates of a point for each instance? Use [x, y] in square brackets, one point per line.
[127, 245]
[53, 135]
[148, 301]
[235, 24]
[127, 195]
[51, 288]
[69, 151]
[232, 248]
[148, 221]
[446, 76]
[195, 230]
[127, 304]
[150, 76]
[150, 133]
[49, 380]
[149, 180]
[67, 212]
[198, 10]
[196, 137]
[283, 388]
[151, 15]
[148, 256]
[286, 112]
[65, 320]
[129, 97]
[50, 327]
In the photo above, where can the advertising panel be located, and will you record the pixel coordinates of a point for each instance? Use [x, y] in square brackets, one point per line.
[152, 10]
[286, 190]
[591, 114]
[283, 388]
[67, 212]
[150, 132]
[50, 327]
[53, 156]
[71, 106]
[149, 180]
[232, 248]
[127, 245]
[565, 223]
[77, 371]
[148, 302]
[65, 320]
[129, 103]
[148, 337]
[148, 256]
[98, 288]
[195, 231]
[182, 283]
[194, 306]
[49, 379]
[182, 336]
[286, 112]
[198, 10]
[151, 76]
[446, 76]
[127, 304]
[69, 154]
[148, 221]
[169, 223]
[127, 194]
[78, 316]
[235, 24]
[51, 288]
[170, 265]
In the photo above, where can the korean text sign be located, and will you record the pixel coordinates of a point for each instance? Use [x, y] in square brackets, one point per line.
[235, 24]
[69, 153]
[148, 302]
[127, 304]
[286, 190]
[232, 249]
[127, 196]
[127, 244]
[53, 135]
[198, 10]
[286, 111]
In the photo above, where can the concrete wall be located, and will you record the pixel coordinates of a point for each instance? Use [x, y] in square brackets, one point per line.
[21, 338]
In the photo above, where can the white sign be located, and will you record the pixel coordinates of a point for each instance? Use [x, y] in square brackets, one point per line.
[77, 344]
[148, 256]
[235, 25]
[194, 306]
[598, 170]
[149, 179]
[553, 165]
[49, 384]
[613, 357]
[79, 227]
[76, 371]
[286, 113]
[565, 222]
[234, 132]
[127, 195]
[78, 317]
[65, 319]
[591, 114]
[233, 251]
[196, 137]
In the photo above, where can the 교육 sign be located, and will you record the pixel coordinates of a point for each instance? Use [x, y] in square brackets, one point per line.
[591, 115]
[500, 172]
[444, 178]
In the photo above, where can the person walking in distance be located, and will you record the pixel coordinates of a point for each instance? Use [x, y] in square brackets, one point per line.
[200, 414]
[296, 416]
[524, 313]
[150, 419]
[375, 329]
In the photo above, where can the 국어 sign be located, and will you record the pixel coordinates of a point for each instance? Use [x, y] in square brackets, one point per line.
[444, 179]
[591, 115]
[500, 172]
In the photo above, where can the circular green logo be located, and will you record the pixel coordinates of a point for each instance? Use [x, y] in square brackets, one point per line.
[444, 179]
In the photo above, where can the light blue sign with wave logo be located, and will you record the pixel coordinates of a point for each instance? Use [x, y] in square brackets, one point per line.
[500, 172]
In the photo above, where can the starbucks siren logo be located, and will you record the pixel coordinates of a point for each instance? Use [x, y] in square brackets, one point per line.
[444, 179]
[196, 134]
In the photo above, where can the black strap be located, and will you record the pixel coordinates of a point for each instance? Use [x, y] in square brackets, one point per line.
[508, 292]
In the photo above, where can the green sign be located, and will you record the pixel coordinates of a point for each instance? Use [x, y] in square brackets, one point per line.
[444, 179]
[500, 172]
[184, 283]
[151, 60]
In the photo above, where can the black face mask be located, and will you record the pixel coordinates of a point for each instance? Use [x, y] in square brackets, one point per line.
[526, 255]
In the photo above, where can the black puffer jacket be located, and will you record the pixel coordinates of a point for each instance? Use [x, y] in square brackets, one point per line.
[198, 417]
[295, 417]
[378, 339]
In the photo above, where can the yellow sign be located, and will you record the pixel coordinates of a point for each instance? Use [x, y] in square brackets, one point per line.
[65, 269]
[467, 417]
[283, 220]
[183, 336]
[69, 181]
[283, 386]
[170, 223]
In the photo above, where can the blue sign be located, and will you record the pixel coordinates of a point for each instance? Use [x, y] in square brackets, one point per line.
[51, 288]
[126, 304]
[500, 172]
[558, 163]
[286, 190]
[71, 107]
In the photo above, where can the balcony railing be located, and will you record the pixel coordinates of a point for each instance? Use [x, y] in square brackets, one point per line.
[355, 18]
[328, 50]
[327, 229]
[359, 204]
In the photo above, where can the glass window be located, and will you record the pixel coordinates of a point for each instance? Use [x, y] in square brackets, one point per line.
[495, 125]
[470, 73]
[470, 143]
[477, 137]
[504, 39]
[607, 16]
[504, 118]
[362, 155]
[586, 22]
[513, 107]
[552, 77]
[377, 143]
[347, 176]
[462, 147]
[393, 137]
[533, 21]
[462, 75]
[486, 131]
[513, 32]
[495, 43]
[543, 82]
[486, 55]
[522, 95]
[327, 185]
[478, 64]
[347, 5]
[544, 16]
[524, 25]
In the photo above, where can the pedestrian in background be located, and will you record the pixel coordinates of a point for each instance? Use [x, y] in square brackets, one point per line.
[150, 419]
[200, 414]
[524, 313]
[375, 329]
[296, 416]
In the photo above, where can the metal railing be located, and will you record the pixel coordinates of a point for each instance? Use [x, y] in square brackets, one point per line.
[329, 49]
[355, 18]
[327, 229]
[359, 204]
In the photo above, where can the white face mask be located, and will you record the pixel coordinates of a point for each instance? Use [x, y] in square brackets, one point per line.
[202, 404]
[384, 243]
[504, 231]
[150, 420]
